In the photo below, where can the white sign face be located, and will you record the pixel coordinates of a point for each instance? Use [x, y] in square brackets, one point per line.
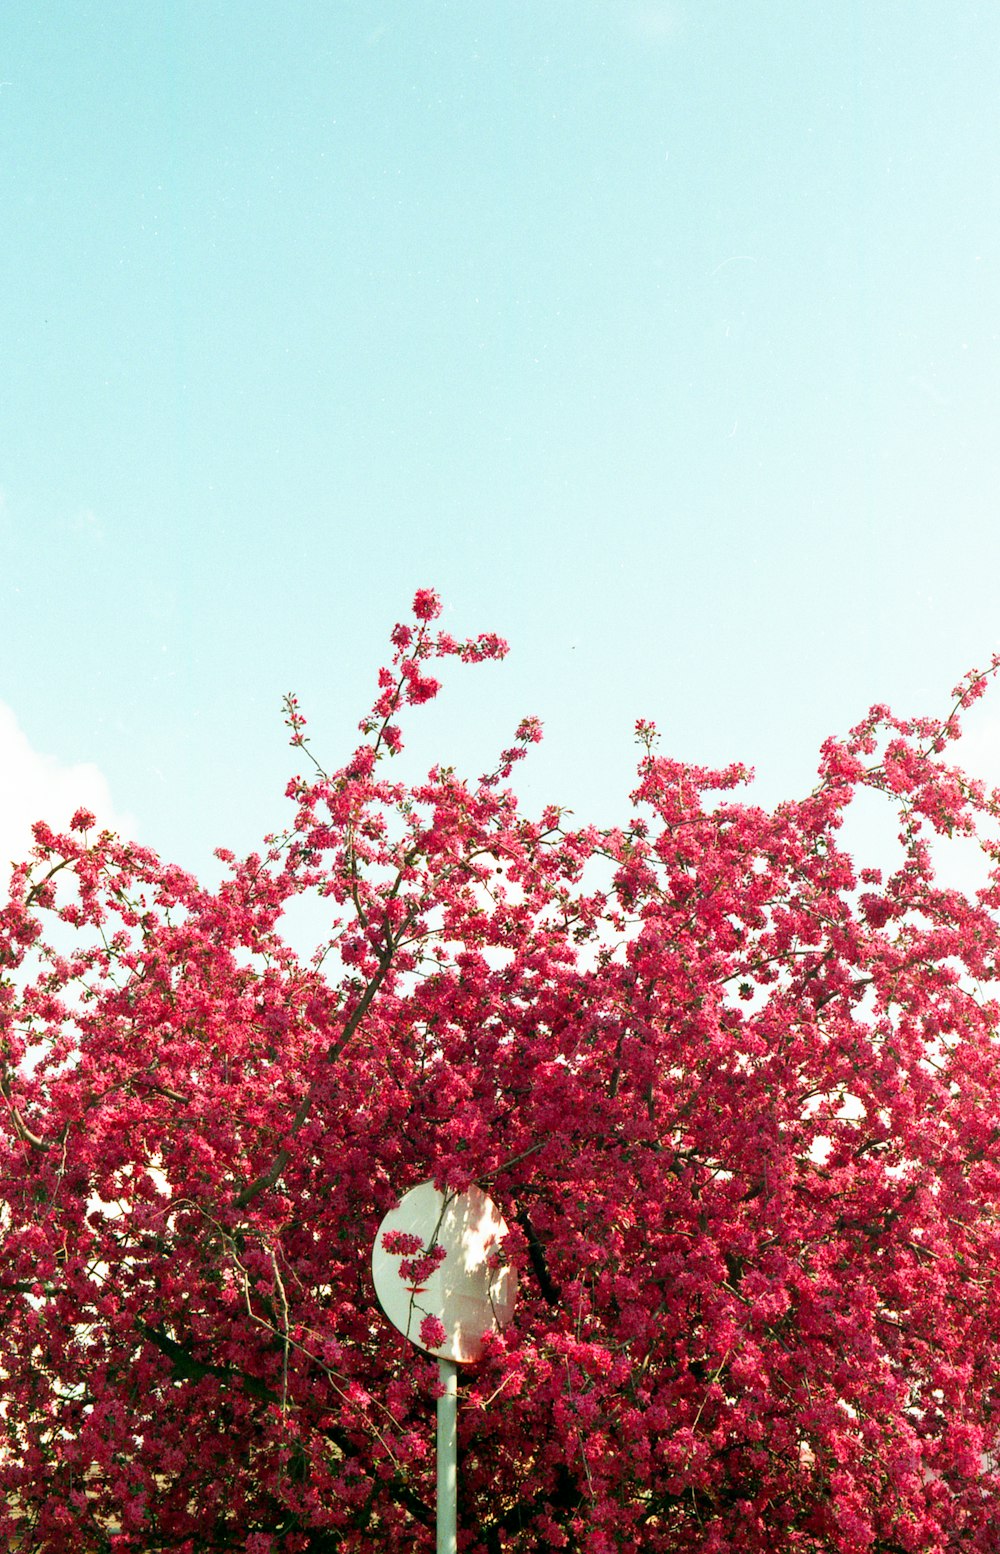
[439, 1271]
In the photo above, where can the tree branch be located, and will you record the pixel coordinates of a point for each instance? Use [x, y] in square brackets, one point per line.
[21, 1128]
[551, 1291]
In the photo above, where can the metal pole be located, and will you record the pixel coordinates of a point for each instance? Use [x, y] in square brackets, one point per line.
[447, 1459]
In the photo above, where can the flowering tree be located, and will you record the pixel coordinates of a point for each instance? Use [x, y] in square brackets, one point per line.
[738, 1100]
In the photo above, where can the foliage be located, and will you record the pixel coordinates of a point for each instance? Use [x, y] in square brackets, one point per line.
[738, 1100]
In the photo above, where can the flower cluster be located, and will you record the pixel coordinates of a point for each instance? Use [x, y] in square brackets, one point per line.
[415, 1271]
[432, 1333]
[418, 1262]
[400, 1243]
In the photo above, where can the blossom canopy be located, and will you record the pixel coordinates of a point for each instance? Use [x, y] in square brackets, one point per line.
[736, 1095]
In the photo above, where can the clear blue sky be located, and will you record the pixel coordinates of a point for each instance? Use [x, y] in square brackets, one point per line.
[662, 338]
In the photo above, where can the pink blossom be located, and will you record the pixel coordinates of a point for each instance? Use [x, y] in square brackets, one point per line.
[400, 1241]
[426, 604]
[432, 1332]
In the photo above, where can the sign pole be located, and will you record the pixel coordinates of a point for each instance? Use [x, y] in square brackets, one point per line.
[447, 1459]
[442, 1283]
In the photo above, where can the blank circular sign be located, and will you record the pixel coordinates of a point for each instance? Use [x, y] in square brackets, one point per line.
[439, 1271]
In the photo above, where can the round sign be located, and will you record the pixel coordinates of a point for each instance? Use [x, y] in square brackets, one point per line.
[439, 1271]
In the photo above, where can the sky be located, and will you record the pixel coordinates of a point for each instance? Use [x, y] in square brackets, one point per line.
[661, 338]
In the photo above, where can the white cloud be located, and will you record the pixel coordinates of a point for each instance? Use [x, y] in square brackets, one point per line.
[34, 786]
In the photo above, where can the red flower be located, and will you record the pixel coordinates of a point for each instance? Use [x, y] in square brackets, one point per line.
[432, 1333]
[426, 604]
